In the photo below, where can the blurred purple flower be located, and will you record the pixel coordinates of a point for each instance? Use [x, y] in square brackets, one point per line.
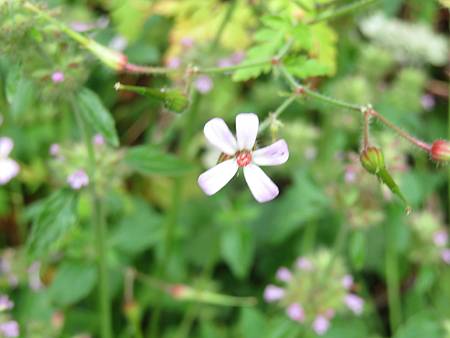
[5, 303]
[295, 312]
[78, 179]
[8, 167]
[98, 140]
[187, 42]
[283, 274]
[55, 149]
[9, 329]
[58, 77]
[347, 281]
[304, 264]
[354, 303]
[34, 278]
[273, 293]
[237, 57]
[204, 84]
[321, 325]
[445, 255]
[224, 62]
[440, 238]
[173, 63]
[350, 174]
[428, 102]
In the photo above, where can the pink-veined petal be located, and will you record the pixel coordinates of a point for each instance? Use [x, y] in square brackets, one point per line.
[261, 186]
[6, 145]
[214, 179]
[8, 170]
[275, 154]
[246, 130]
[217, 133]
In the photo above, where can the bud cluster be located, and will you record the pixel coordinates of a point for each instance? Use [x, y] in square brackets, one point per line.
[315, 290]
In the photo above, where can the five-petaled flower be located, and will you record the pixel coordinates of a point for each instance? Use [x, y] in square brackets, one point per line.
[8, 167]
[240, 153]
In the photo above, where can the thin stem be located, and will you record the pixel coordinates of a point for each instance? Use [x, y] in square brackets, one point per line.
[98, 220]
[273, 117]
[342, 11]
[223, 24]
[366, 130]
[418, 143]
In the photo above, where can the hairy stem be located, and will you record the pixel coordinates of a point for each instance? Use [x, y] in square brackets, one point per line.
[272, 117]
[98, 219]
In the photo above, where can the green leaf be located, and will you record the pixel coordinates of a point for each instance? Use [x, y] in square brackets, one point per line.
[424, 324]
[54, 218]
[19, 92]
[96, 114]
[139, 230]
[237, 246]
[357, 247]
[172, 99]
[74, 280]
[152, 160]
[302, 67]
[252, 323]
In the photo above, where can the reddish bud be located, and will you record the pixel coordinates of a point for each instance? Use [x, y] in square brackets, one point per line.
[440, 150]
[372, 160]
[178, 290]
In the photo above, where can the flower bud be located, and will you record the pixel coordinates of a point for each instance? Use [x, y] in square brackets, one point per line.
[440, 151]
[372, 160]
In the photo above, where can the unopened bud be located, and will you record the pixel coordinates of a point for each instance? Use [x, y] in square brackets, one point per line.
[372, 160]
[179, 291]
[440, 151]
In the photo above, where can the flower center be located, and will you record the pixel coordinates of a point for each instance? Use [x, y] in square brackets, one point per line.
[243, 158]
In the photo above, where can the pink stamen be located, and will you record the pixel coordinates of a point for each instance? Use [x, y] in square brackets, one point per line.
[243, 158]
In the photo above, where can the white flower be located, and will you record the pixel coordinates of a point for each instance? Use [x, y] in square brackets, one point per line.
[8, 167]
[240, 153]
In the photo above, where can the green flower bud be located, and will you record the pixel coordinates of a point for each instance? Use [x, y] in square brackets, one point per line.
[372, 160]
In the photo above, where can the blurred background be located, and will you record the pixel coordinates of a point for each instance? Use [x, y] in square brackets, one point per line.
[98, 187]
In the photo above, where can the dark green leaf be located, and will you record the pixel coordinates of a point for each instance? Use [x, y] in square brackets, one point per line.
[151, 160]
[96, 114]
[73, 281]
[54, 218]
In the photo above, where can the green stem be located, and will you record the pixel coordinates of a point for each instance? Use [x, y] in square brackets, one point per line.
[344, 10]
[338, 245]
[100, 231]
[272, 117]
[223, 24]
[392, 279]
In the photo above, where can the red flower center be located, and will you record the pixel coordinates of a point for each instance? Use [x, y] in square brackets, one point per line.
[243, 158]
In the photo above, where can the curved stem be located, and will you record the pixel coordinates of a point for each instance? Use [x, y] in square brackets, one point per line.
[272, 117]
[98, 219]
[223, 24]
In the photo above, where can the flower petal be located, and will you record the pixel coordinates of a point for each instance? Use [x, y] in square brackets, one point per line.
[246, 130]
[6, 145]
[275, 154]
[218, 134]
[214, 179]
[8, 170]
[261, 186]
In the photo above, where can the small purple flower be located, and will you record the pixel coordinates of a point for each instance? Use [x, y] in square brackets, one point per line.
[58, 77]
[241, 155]
[78, 179]
[9, 329]
[5, 303]
[204, 84]
[225, 62]
[273, 293]
[354, 303]
[445, 255]
[304, 264]
[173, 63]
[350, 174]
[187, 42]
[55, 149]
[98, 140]
[34, 278]
[8, 167]
[321, 325]
[283, 274]
[347, 282]
[295, 312]
[237, 57]
[440, 238]
[428, 102]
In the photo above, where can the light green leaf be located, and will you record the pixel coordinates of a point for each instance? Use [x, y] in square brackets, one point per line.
[96, 114]
[52, 221]
[74, 280]
[357, 247]
[424, 324]
[237, 246]
[152, 160]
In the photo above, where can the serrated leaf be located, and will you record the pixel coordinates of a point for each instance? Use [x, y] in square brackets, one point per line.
[96, 114]
[304, 68]
[74, 280]
[54, 218]
[153, 161]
